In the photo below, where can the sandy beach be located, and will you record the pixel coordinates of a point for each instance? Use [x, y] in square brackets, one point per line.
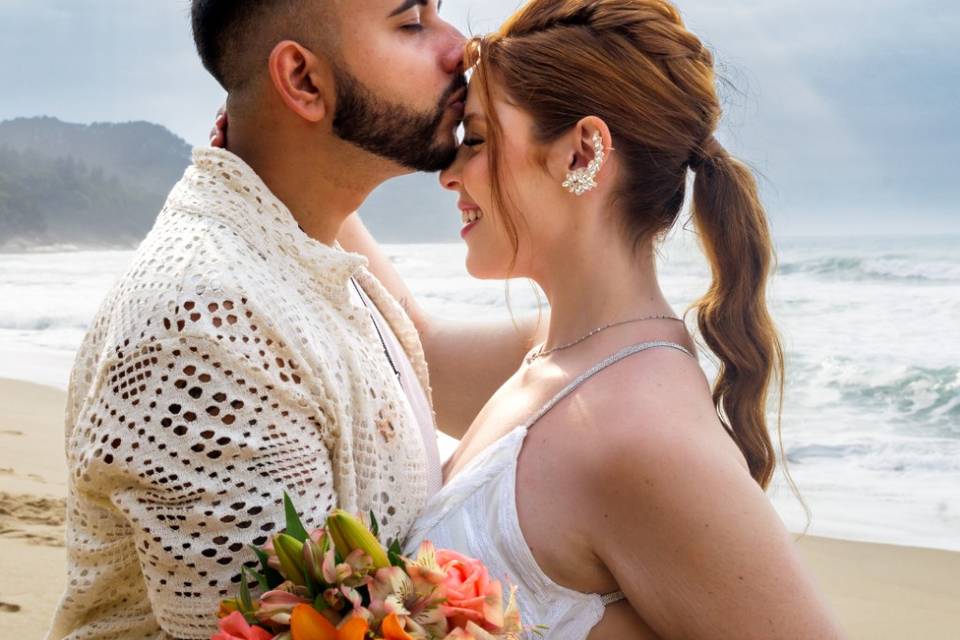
[880, 592]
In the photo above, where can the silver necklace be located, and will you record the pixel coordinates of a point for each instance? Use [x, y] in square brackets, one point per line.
[540, 353]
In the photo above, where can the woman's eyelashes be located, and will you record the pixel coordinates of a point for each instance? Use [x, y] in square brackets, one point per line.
[471, 141]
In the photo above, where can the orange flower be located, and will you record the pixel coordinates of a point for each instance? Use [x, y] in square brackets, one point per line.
[392, 629]
[306, 623]
[355, 628]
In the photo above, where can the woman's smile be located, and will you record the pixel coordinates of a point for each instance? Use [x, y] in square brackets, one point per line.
[471, 215]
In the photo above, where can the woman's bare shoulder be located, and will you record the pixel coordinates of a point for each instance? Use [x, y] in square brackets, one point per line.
[676, 516]
[654, 400]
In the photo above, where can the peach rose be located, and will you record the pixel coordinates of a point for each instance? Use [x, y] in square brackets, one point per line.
[470, 593]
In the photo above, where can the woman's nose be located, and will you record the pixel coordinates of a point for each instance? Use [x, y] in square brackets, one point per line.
[450, 177]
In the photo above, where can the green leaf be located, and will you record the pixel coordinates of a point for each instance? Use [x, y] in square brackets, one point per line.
[261, 556]
[246, 600]
[313, 589]
[374, 525]
[395, 554]
[261, 580]
[274, 579]
[295, 528]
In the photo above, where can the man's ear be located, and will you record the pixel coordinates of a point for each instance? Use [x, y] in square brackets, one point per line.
[303, 80]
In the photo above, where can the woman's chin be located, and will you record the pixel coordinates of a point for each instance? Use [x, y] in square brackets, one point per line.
[483, 269]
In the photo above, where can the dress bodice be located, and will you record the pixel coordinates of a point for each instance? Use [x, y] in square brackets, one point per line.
[476, 514]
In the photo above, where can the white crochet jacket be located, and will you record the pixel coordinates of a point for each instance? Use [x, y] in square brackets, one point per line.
[227, 366]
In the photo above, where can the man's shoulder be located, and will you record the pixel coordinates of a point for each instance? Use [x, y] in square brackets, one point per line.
[189, 277]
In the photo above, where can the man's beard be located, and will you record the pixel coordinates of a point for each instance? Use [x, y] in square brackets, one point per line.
[393, 131]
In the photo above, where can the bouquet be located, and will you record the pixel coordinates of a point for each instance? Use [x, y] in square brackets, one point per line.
[341, 583]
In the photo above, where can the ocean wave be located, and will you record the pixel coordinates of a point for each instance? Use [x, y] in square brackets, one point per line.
[796, 455]
[898, 455]
[44, 323]
[917, 400]
[920, 396]
[887, 268]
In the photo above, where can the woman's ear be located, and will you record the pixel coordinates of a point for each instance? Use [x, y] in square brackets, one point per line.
[579, 157]
[303, 80]
[584, 145]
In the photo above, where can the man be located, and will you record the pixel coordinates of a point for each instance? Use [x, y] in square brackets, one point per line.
[244, 353]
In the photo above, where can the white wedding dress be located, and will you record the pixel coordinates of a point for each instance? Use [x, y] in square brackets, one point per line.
[476, 514]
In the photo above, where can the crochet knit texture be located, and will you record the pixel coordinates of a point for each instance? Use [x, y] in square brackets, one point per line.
[227, 366]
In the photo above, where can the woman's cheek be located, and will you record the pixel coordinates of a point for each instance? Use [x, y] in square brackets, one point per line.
[476, 180]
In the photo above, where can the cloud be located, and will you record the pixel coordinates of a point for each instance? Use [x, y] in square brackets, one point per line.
[847, 108]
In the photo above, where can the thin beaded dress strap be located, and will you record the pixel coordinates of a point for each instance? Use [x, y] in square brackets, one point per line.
[609, 598]
[600, 366]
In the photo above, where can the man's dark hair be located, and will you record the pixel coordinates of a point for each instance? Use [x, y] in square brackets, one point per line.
[233, 37]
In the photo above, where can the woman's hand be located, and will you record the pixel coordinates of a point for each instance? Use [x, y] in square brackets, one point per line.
[218, 135]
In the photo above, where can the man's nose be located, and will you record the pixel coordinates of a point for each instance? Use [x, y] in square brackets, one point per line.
[453, 54]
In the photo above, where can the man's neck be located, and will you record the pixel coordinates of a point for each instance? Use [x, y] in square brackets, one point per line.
[321, 185]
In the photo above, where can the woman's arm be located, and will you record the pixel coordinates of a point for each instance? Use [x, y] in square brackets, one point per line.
[468, 361]
[691, 539]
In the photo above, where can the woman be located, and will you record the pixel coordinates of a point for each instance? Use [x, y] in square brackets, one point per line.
[606, 479]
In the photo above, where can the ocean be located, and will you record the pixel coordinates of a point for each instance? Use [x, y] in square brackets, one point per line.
[871, 326]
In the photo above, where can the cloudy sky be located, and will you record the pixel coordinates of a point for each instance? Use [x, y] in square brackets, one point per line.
[848, 109]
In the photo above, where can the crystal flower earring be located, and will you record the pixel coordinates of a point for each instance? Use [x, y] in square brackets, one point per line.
[582, 180]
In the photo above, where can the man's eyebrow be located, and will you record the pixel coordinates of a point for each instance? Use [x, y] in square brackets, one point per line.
[409, 4]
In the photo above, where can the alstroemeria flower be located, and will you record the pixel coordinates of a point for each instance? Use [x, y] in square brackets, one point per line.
[276, 606]
[236, 627]
[392, 591]
[354, 571]
[425, 568]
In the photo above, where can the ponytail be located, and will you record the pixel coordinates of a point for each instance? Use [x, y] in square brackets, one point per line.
[658, 96]
[732, 316]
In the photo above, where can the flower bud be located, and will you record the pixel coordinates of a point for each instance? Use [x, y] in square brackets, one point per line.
[313, 560]
[349, 534]
[290, 554]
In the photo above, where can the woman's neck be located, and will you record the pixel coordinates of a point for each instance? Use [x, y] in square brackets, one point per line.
[597, 287]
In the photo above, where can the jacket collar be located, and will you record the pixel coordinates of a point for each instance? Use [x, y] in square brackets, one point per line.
[244, 203]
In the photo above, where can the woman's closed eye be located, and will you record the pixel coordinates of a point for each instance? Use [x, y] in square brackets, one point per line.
[472, 141]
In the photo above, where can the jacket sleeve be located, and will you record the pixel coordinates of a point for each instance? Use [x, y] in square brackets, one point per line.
[191, 445]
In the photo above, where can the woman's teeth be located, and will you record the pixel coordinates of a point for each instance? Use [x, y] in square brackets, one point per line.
[471, 215]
